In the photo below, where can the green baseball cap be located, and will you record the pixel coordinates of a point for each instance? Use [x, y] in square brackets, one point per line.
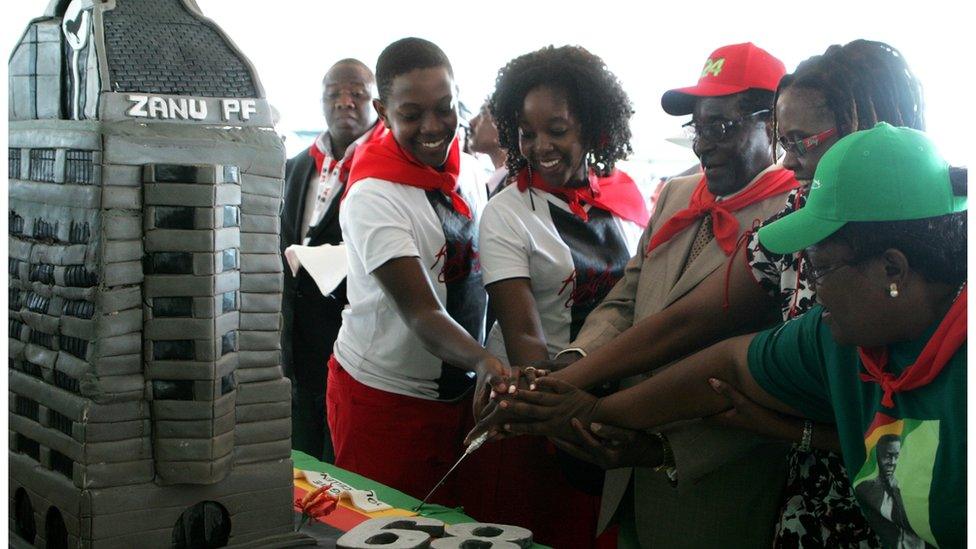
[882, 174]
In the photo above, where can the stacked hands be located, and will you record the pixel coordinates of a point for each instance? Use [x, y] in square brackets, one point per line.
[535, 400]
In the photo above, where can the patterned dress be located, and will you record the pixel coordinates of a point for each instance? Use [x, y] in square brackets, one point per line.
[819, 508]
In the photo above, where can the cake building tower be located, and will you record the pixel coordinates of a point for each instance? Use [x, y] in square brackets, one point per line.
[147, 403]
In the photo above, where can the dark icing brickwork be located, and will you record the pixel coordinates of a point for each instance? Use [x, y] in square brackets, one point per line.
[13, 163]
[61, 463]
[79, 167]
[60, 422]
[144, 310]
[16, 223]
[42, 165]
[26, 407]
[156, 46]
[79, 233]
[27, 446]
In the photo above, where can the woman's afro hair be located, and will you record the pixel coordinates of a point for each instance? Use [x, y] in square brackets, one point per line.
[594, 94]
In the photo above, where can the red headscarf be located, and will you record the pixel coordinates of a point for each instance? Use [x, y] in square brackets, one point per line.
[385, 159]
[617, 193]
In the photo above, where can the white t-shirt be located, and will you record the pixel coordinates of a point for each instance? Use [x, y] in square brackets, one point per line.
[520, 239]
[381, 221]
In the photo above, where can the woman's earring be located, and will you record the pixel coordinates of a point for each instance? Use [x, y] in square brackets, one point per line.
[893, 290]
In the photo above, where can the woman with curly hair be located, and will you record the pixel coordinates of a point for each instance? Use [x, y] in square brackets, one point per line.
[552, 245]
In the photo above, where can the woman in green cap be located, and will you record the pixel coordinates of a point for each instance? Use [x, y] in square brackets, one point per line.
[882, 354]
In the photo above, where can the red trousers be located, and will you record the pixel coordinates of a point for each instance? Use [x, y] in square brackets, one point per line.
[403, 442]
[527, 487]
[409, 443]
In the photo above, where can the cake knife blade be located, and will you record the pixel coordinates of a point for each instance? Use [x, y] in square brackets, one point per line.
[475, 444]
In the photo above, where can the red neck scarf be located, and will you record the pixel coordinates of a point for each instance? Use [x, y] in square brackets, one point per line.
[317, 154]
[725, 226]
[315, 151]
[948, 337]
[385, 159]
[617, 193]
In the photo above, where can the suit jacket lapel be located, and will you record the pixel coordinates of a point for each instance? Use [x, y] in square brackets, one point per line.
[674, 252]
[710, 258]
[302, 196]
[678, 249]
[328, 216]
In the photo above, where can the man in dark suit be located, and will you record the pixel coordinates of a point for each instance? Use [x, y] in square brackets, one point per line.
[314, 182]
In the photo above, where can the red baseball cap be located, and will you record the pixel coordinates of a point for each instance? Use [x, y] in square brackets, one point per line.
[728, 70]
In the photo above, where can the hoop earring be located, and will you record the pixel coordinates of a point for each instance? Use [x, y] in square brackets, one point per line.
[893, 290]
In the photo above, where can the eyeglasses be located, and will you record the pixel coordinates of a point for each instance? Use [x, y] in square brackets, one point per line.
[800, 147]
[815, 274]
[716, 130]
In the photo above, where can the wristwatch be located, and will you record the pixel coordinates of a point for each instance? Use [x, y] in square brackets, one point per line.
[667, 459]
[806, 438]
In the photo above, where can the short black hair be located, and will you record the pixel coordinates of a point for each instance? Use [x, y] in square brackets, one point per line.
[595, 97]
[886, 438]
[405, 55]
[935, 246]
[350, 61]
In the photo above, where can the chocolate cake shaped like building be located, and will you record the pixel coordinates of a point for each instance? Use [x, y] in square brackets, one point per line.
[147, 403]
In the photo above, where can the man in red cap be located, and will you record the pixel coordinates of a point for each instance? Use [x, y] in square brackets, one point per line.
[692, 485]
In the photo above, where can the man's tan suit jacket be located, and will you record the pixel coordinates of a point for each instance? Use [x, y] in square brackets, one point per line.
[730, 483]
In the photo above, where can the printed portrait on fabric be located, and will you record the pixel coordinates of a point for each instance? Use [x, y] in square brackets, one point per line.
[893, 485]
